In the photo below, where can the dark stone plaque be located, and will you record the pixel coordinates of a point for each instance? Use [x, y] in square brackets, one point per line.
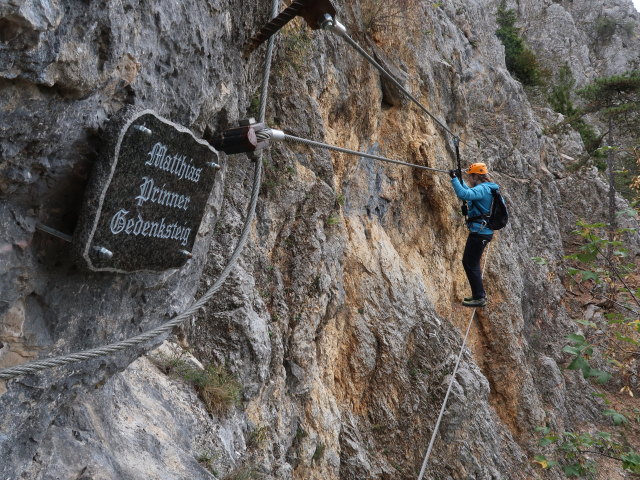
[147, 195]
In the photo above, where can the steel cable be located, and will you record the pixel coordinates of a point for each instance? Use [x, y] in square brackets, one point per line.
[266, 134]
[39, 365]
[453, 378]
[393, 80]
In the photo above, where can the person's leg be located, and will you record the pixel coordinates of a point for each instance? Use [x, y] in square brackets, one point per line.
[471, 263]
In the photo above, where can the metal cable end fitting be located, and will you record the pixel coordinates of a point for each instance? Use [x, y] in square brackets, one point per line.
[277, 135]
[143, 129]
[264, 134]
[103, 252]
[330, 23]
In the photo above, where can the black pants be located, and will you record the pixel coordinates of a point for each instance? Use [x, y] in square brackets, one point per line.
[471, 262]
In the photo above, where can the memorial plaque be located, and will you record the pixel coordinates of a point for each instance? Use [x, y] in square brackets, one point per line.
[147, 195]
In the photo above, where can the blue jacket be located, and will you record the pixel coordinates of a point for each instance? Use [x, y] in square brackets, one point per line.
[479, 198]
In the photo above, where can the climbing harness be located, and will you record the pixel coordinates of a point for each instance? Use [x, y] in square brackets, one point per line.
[36, 366]
[453, 377]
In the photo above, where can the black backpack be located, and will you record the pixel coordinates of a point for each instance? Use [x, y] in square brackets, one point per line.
[497, 216]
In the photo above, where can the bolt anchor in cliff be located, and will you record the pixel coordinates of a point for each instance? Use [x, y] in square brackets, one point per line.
[313, 12]
[241, 139]
[69, 239]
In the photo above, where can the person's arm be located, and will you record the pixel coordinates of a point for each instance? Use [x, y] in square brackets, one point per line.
[465, 193]
[459, 182]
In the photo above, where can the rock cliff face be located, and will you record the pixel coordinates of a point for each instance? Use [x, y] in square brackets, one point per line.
[341, 320]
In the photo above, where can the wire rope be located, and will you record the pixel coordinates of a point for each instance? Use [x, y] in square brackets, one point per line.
[342, 33]
[453, 377]
[268, 133]
[39, 365]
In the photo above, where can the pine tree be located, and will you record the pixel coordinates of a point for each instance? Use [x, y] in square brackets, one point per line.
[616, 100]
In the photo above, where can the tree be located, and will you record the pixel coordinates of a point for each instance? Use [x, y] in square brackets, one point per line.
[603, 349]
[520, 59]
[616, 100]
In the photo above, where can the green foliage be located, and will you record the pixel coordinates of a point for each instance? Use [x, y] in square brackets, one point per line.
[206, 459]
[295, 47]
[258, 438]
[631, 462]
[319, 452]
[333, 220]
[242, 473]
[616, 97]
[590, 137]
[519, 58]
[616, 100]
[605, 28]
[300, 434]
[560, 93]
[254, 106]
[616, 417]
[216, 387]
[559, 97]
[629, 28]
[581, 350]
[572, 450]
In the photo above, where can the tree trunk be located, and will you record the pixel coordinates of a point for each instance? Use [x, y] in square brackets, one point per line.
[612, 192]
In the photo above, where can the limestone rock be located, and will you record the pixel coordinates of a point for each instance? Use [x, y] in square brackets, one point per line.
[341, 319]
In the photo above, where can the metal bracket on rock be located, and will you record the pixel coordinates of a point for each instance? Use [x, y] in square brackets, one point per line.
[313, 12]
[68, 238]
[241, 139]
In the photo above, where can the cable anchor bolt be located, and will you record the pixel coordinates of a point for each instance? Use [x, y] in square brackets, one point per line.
[104, 252]
[241, 139]
[327, 22]
[143, 129]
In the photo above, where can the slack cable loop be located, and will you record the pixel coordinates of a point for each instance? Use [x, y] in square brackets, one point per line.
[338, 29]
[453, 378]
[274, 134]
[39, 365]
[36, 366]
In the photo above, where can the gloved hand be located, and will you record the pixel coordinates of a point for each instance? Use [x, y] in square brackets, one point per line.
[453, 173]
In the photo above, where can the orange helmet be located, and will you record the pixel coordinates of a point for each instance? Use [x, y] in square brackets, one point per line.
[479, 168]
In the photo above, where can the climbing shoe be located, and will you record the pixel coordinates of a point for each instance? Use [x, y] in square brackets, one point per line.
[468, 299]
[474, 302]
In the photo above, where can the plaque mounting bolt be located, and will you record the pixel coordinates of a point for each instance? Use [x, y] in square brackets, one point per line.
[186, 253]
[143, 129]
[213, 165]
[104, 252]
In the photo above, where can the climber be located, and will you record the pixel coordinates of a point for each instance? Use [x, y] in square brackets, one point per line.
[479, 196]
